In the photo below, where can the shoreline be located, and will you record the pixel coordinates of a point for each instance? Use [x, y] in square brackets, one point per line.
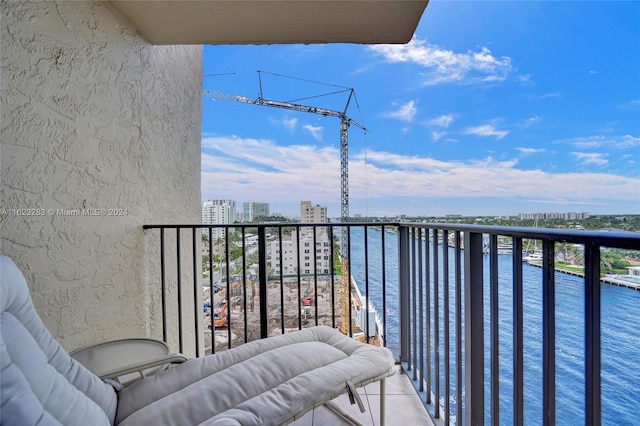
[607, 279]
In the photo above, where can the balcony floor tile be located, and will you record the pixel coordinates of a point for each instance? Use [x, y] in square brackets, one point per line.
[404, 407]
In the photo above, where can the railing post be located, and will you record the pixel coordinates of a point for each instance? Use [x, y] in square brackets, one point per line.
[592, 307]
[179, 291]
[403, 292]
[436, 322]
[197, 288]
[414, 307]
[446, 339]
[474, 329]
[458, 321]
[421, 311]
[548, 335]
[494, 292]
[262, 279]
[518, 334]
[163, 284]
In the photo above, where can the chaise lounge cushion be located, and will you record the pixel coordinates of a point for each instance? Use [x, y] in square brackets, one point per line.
[265, 382]
[41, 384]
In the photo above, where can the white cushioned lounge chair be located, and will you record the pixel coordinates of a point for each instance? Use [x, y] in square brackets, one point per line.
[267, 382]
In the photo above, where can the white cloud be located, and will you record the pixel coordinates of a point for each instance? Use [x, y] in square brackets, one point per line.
[405, 112]
[486, 130]
[528, 151]
[591, 158]
[598, 141]
[446, 66]
[530, 121]
[316, 131]
[246, 169]
[586, 142]
[630, 141]
[289, 123]
[442, 121]
[632, 103]
[436, 136]
[549, 95]
[524, 78]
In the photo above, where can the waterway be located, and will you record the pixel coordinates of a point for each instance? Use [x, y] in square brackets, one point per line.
[620, 337]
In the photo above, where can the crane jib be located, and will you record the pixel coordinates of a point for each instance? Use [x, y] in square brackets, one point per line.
[345, 122]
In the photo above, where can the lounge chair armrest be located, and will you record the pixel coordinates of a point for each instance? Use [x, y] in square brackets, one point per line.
[119, 358]
[141, 366]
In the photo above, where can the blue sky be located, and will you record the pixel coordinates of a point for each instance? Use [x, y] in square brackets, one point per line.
[493, 108]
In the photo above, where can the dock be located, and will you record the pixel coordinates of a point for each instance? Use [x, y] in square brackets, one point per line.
[617, 280]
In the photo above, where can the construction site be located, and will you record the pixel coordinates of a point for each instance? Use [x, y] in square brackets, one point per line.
[235, 319]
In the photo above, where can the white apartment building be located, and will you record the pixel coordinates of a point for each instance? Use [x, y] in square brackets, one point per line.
[254, 209]
[312, 257]
[218, 212]
[554, 215]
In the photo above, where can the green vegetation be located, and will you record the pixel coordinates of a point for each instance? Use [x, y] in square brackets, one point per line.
[337, 260]
[563, 266]
[613, 262]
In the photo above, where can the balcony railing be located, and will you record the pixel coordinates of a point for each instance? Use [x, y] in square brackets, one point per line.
[443, 296]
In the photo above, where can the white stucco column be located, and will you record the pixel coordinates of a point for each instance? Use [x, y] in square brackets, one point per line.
[100, 134]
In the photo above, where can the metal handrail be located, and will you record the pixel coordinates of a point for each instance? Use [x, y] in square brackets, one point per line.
[420, 270]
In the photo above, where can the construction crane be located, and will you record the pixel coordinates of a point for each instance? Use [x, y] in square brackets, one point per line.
[345, 122]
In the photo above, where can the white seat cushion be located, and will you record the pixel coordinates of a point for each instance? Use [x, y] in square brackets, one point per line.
[265, 382]
[41, 384]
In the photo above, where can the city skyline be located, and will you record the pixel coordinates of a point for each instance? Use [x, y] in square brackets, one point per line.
[536, 112]
[316, 213]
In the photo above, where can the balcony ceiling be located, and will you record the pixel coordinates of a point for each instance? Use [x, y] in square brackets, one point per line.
[273, 21]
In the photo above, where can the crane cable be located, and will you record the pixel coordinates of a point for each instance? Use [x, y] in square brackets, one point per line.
[343, 88]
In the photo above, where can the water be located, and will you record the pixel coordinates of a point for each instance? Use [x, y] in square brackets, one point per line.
[620, 336]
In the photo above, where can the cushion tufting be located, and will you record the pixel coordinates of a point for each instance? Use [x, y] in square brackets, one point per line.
[41, 384]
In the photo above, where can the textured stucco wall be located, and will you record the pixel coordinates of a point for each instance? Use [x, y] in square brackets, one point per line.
[94, 117]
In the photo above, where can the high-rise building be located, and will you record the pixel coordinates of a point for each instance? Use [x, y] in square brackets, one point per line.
[253, 210]
[218, 212]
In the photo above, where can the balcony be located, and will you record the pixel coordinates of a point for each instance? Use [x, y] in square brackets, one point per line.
[481, 335]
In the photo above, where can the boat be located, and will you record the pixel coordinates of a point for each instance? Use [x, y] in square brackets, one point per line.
[535, 256]
[505, 248]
